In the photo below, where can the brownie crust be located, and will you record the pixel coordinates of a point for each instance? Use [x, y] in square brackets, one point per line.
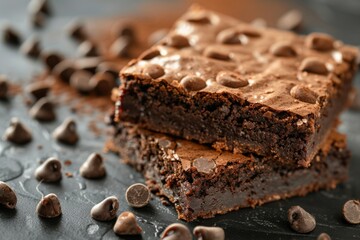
[202, 182]
[273, 93]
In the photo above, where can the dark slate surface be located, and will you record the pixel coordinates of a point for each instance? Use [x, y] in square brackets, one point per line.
[77, 195]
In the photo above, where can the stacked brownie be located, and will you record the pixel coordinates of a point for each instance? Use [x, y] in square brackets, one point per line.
[221, 115]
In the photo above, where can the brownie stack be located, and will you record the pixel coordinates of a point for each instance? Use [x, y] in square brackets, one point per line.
[221, 115]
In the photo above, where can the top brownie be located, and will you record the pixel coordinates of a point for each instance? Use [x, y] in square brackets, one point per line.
[225, 83]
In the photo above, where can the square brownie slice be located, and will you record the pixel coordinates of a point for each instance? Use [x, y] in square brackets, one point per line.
[235, 87]
[202, 182]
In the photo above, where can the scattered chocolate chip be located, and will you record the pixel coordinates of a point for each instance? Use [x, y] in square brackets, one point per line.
[11, 36]
[313, 65]
[231, 79]
[51, 59]
[138, 195]
[38, 89]
[177, 41]
[64, 70]
[126, 225]
[229, 36]
[93, 167]
[66, 132]
[87, 49]
[204, 165]
[49, 171]
[17, 132]
[154, 71]
[4, 87]
[212, 52]
[150, 54]
[282, 50]
[259, 23]
[176, 231]
[102, 83]
[300, 220]
[120, 48]
[319, 41]
[351, 211]
[303, 94]
[291, 20]
[323, 236]
[31, 47]
[76, 31]
[88, 64]
[109, 67]
[80, 80]
[198, 18]
[127, 31]
[158, 35]
[39, 6]
[7, 196]
[38, 19]
[49, 206]
[209, 233]
[193, 83]
[105, 210]
[43, 110]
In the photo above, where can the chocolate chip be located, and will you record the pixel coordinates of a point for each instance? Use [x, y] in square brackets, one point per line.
[49, 206]
[313, 65]
[154, 71]
[300, 220]
[176, 231]
[229, 36]
[64, 70]
[8, 197]
[66, 132]
[88, 64]
[231, 79]
[43, 110]
[204, 165]
[351, 211]
[193, 83]
[158, 35]
[93, 167]
[76, 31]
[80, 80]
[212, 52]
[105, 210]
[102, 83]
[209, 233]
[51, 59]
[138, 195]
[38, 89]
[291, 20]
[303, 94]
[198, 18]
[150, 54]
[11, 36]
[178, 41]
[127, 31]
[323, 236]
[282, 50]
[126, 225]
[319, 41]
[120, 48]
[31, 47]
[4, 87]
[37, 19]
[17, 133]
[49, 171]
[39, 6]
[87, 49]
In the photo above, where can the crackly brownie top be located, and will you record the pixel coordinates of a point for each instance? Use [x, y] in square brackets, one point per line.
[209, 52]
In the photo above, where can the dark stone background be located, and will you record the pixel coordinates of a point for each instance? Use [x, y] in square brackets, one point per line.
[77, 196]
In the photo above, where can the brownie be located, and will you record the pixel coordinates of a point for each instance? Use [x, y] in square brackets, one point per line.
[202, 182]
[235, 87]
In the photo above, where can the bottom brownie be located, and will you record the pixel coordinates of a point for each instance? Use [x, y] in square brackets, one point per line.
[202, 182]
